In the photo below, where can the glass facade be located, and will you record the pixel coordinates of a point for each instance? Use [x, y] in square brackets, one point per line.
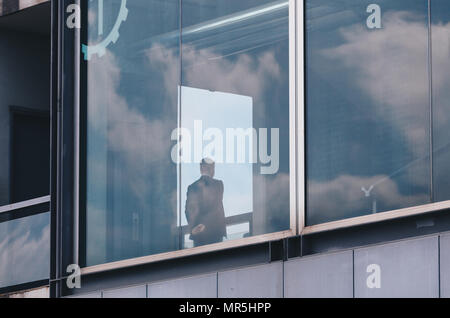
[186, 136]
[186, 112]
[440, 28]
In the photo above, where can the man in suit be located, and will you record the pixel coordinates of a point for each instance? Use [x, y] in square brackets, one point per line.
[204, 207]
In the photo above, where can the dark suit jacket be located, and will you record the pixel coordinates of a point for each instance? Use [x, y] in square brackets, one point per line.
[204, 206]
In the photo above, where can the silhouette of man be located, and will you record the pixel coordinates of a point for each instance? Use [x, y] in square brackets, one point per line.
[204, 207]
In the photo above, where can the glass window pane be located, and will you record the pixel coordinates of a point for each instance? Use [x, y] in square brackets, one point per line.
[367, 112]
[25, 250]
[130, 96]
[234, 103]
[137, 102]
[440, 28]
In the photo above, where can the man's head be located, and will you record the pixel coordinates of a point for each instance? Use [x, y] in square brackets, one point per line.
[207, 167]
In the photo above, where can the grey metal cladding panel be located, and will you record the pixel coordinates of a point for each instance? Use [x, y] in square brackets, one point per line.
[406, 269]
[445, 265]
[262, 281]
[128, 292]
[193, 287]
[328, 276]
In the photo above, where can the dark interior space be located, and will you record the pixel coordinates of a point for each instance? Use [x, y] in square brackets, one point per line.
[24, 104]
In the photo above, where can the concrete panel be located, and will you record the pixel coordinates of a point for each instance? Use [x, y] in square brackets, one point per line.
[129, 292]
[253, 282]
[192, 287]
[401, 269]
[89, 295]
[35, 293]
[445, 265]
[329, 276]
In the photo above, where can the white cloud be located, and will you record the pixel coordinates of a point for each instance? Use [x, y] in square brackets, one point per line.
[246, 75]
[342, 197]
[141, 141]
[390, 66]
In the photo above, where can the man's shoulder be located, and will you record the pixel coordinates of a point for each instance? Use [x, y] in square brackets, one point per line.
[202, 182]
[195, 185]
[218, 183]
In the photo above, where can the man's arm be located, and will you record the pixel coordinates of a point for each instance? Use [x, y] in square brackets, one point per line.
[191, 207]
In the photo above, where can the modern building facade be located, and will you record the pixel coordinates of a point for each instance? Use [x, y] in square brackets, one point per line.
[222, 148]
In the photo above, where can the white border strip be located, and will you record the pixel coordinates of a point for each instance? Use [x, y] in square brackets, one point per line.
[76, 125]
[292, 118]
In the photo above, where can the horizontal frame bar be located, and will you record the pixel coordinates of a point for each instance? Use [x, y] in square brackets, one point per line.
[379, 217]
[24, 204]
[22, 288]
[265, 238]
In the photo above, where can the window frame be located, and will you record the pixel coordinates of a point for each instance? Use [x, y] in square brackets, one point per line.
[296, 163]
[297, 106]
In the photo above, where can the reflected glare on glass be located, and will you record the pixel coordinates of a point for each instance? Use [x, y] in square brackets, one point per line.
[368, 115]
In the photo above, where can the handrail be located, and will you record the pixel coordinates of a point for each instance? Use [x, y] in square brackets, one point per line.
[231, 220]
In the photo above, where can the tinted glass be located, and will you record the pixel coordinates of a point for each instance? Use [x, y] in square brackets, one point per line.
[367, 111]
